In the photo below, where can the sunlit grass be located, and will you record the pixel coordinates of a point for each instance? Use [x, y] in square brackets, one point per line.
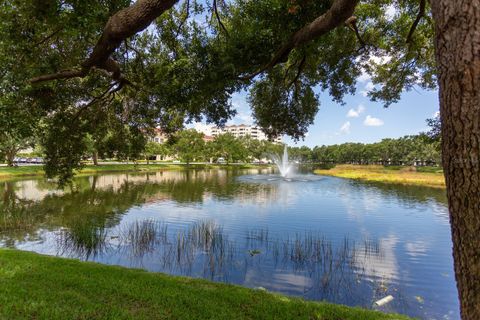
[41, 287]
[398, 175]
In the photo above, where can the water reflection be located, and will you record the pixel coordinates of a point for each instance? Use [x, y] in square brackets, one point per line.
[324, 239]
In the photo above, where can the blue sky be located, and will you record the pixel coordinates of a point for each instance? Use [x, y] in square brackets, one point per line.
[359, 120]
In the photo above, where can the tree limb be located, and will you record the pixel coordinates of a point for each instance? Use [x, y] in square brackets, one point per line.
[122, 25]
[187, 14]
[299, 71]
[352, 24]
[217, 15]
[64, 74]
[420, 15]
[338, 13]
[48, 37]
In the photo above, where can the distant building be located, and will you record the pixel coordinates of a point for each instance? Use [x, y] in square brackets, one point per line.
[159, 136]
[243, 130]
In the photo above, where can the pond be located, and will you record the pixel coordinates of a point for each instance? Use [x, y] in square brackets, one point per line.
[320, 238]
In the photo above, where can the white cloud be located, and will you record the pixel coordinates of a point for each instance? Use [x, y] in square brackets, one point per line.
[373, 122]
[364, 77]
[368, 87]
[204, 128]
[345, 128]
[355, 113]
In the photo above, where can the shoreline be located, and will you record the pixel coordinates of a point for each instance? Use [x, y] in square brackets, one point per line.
[36, 171]
[46, 287]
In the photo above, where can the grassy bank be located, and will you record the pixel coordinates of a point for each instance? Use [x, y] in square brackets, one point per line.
[22, 171]
[429, 177]
[41, 287]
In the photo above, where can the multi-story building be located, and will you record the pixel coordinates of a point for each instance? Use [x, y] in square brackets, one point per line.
[243, 130]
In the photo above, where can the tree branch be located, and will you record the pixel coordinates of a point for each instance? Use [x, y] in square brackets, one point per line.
[64, 74]
[420, 15]
[338, 13]
[187, 14]
[122, 25]
[352, 24]
[48, 37]
[217, 15]
[299, 71]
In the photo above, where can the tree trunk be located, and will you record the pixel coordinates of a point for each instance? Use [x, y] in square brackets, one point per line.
[457, 46]
[10, 156]
[95, 158]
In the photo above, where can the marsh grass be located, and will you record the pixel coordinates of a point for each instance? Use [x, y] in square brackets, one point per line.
[205, 249]
[142, 237]
[376, 173]
[83, 241]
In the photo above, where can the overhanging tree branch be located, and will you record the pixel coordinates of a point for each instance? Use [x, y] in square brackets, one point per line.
[122, 25]
[420, 15]
[352, 24]
[338, 13]
[217, 15]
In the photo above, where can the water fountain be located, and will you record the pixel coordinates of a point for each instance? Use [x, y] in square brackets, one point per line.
[284, 166]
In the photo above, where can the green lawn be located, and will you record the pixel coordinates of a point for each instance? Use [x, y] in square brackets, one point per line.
[41, 287]
[428, 177]
[9, 172]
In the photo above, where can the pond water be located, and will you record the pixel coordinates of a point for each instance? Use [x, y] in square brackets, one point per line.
[320, 238]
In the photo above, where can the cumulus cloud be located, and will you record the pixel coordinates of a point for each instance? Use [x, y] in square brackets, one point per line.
[345, 128]
[355, 113]
[373, 122]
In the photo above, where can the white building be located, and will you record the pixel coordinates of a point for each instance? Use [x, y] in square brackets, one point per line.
[243, 130]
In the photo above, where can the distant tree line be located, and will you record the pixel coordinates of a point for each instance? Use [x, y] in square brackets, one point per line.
[409, 150]
[189, 146]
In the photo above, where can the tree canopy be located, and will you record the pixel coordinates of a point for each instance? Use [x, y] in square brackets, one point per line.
[169, 62]
[79, 63]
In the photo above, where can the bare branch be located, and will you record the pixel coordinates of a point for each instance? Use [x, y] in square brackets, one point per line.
[338, 13]
[420, 15]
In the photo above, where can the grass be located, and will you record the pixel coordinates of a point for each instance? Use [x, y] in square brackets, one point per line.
[429, 177]
[11, 172]
[42, 287]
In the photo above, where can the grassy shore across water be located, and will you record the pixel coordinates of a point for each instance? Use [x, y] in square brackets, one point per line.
[41, 287]
[428, 177]
[23, 171]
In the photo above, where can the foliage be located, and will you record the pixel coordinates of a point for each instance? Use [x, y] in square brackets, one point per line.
[184, 69]
[153, 148]
[189, 146]
[435, 125]
[402, 151]
[228, 147]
